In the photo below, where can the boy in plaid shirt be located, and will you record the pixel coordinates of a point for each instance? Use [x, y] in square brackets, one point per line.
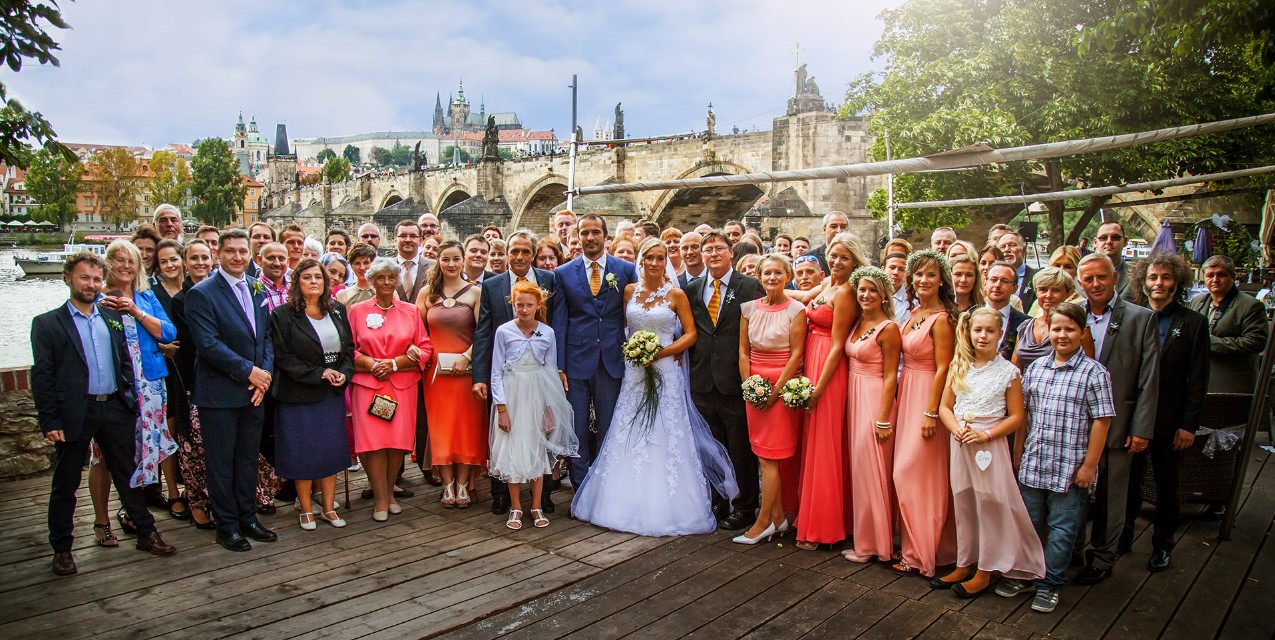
[1069, 408]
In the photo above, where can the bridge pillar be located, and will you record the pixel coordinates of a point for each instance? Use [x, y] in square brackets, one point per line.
[326, 196]
[416, 187]
[491, 179]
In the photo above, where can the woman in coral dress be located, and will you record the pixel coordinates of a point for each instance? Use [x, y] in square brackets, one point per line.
[873, 352]
[920, 452]
[457, 420]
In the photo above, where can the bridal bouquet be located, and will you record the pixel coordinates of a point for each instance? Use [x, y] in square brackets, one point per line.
[796, 392]
[756, 390]
[640, 350]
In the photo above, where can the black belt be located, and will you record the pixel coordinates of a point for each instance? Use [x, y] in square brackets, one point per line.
[101, 397]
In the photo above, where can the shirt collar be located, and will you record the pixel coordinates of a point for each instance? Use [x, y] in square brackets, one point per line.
[234, 282]
[725, 279]
[530, 276]
[415, 259]
[76, 312]
[601, 262]
[1071, 363]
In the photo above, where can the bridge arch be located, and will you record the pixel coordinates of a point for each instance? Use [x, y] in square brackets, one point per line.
[537, 203]
[393, 197]
[453, 195]
[711, 205]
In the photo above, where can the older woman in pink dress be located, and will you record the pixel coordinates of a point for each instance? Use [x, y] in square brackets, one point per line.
[920, 455]
[390, 347]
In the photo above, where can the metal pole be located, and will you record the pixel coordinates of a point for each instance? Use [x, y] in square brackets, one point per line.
[889, 182]
[571, 159]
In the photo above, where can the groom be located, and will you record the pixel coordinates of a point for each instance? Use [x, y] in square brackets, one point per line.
[715, 299]
[588, 318]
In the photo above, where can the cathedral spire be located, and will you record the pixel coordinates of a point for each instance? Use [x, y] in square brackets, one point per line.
[439, 122]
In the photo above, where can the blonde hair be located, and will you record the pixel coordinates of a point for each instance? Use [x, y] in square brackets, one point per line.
[649, 243]
[1055, 277]
[783, 261]
[1066, 251]
[850, 242]
[963, 357]
[140, 283]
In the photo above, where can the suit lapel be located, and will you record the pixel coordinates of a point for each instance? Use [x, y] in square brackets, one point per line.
[233, 300]
[1113, 327]
[1175, 325]
[68, 325]
[307, 329]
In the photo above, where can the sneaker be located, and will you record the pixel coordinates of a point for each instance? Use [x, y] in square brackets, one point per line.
[1045, 601]
[1011, 588]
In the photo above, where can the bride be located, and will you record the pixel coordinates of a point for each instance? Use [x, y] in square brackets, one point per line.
[654, 473]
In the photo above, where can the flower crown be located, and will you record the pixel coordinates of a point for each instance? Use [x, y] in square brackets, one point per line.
[930, 253]
[876, 274]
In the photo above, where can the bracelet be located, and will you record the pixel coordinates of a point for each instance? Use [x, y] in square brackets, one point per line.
[394, 364]
[931, 415]
[500, 408]
[883, 424]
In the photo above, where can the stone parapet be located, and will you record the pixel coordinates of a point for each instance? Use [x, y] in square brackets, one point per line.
[23, 450]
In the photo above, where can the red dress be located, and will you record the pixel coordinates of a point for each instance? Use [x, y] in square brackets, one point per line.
[921, 480]
[457, 420]
[395, 330]
[823, 512]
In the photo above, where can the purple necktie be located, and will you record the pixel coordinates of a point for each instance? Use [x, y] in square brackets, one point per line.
[245, 299]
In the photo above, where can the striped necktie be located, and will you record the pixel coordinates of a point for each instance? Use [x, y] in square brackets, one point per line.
[715, 301]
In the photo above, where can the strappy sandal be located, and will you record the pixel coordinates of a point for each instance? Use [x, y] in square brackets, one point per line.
[903, 568]
[538, 518]
[462, 497]
[126, 523]
[107, 538]
[449, 495]
[807, 546]
[515, 520]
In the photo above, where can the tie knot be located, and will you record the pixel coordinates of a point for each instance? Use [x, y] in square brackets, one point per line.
[717, 283]
[409, 263]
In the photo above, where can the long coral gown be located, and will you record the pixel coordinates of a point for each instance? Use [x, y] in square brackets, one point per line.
[921, 481]
[824, 501]
[457, 420]
[873, 461]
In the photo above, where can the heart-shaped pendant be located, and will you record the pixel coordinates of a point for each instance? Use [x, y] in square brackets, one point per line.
[983, 459]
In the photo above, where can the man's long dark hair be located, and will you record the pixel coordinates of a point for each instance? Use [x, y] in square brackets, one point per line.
[295, 298]
[1182, 277]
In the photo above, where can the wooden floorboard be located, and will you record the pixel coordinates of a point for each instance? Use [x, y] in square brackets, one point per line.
[460, 574]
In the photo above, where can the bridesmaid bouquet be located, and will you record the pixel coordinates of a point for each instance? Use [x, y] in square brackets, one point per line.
[796, 392]
[756, 390]
[640, 350]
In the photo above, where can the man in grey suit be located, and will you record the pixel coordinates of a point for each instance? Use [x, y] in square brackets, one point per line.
[407, 240]
[1237, 328]
[1126, 340]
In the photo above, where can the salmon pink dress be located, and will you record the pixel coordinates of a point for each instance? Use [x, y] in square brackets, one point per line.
[873, 461]
[921, 481]
[457, 420]
[386, 334]
[823, 511]
[775, 432]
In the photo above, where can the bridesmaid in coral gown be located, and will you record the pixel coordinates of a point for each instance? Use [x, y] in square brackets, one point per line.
[823, 513]
[873, 352]
[457, 420]
[921, 455]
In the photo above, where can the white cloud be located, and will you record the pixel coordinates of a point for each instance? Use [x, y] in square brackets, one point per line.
[153, 72]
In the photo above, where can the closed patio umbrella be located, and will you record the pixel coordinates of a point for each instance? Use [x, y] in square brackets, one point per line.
[1164, 240]
[1203, 248]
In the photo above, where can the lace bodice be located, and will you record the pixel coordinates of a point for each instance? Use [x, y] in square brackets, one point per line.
[652, 312]
[986, 395]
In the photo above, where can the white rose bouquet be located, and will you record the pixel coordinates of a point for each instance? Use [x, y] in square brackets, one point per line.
[640, 350]
[756, 390]
[796, 392]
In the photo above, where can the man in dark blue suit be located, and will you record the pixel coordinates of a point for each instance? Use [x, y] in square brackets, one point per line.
[233, 363]
[82, 385]
[495, 310]
[588, 318]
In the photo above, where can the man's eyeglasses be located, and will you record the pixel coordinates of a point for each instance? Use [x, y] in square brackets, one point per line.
[715, 249]
[1110, 238]
[368, 236]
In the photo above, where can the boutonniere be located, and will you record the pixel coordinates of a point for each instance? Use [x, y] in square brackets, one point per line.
[114, 324]
[1176, 333]
[375, 320]
[1113, 328]
[612, 282]
[730, 296]
[257, 287]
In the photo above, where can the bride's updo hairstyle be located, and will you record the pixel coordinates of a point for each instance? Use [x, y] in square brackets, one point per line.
[650, 243]
[529, 289]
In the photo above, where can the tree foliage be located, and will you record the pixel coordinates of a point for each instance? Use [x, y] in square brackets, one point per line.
[324, 155]
[336, 169]
[381, 157]
[351, 154]
[54, 182]
[1011, 72]
[170, 179]
[216, 185]
[400, 155]
[117, 184]
[23, 35]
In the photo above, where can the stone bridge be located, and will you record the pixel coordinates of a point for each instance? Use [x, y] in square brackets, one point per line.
[525, 193]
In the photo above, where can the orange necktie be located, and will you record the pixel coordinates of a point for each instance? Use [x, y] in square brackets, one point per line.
[595, 280]
[715, 301]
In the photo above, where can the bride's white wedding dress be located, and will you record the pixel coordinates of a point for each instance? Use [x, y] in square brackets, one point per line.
[655, 479]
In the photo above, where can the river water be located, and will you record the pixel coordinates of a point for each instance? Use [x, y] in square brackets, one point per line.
[21, 299]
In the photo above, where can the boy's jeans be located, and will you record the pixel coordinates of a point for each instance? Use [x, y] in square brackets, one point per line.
[1057, 518]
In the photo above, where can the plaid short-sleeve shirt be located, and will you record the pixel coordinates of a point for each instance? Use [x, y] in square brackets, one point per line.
[1062, 403]
[274, 297]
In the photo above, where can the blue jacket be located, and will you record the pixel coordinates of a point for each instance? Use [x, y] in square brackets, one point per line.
[153, 365]
[590, 329]
[226, 349]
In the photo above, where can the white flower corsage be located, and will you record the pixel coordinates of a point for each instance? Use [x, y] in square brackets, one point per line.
[612, 282]
[730, 296]
[375, 320]
[257, 287]
[1113, 328]
[1176, 333]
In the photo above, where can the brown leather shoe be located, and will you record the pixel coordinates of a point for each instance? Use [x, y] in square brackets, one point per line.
[153, 543]
[64, 564]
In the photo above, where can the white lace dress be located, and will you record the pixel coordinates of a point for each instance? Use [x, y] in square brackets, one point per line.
[649, 479]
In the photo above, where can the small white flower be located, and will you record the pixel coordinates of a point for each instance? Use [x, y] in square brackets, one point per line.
[730, 296]
[375, 320]
[612, 282]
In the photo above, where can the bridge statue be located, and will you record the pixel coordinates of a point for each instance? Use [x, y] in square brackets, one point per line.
[491, 141]
[618, 134]
[711, 131]
[805, 97]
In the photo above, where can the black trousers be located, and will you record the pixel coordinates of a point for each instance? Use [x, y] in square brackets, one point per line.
[728, 420]
[1165, 463]
[500, 488]
[232, 442]
[113, 425]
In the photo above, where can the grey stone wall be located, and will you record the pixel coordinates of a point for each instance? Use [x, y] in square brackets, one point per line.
[23, 450]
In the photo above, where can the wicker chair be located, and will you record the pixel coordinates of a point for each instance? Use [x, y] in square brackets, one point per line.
[1203, 479]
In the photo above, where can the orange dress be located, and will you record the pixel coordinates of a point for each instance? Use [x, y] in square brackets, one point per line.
[872, 460]
[824, 501]
[921, 480]
[457, 420]
[382, 335]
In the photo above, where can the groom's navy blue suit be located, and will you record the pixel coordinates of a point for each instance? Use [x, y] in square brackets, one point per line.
[590, 333]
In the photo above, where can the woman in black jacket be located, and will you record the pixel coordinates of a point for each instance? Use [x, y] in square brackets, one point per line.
[314, 359]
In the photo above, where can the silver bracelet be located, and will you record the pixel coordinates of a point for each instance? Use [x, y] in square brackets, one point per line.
[883, 425]
[931, 415]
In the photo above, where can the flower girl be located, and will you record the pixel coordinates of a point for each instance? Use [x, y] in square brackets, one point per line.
[532, 424]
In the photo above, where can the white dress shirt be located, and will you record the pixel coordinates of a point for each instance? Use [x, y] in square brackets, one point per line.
[708, 289]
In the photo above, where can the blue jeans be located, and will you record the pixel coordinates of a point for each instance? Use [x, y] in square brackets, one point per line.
[1057, 518]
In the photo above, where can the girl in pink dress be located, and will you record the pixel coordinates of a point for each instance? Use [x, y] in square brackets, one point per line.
[772, 340]
[823, 512]
[983, 403]
[873, 350]
[920, 458]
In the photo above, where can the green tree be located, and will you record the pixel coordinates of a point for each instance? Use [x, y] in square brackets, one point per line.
[217, 187]
[336, 169]
[324, 155]
[400, 155]
[381, 157]
[351, 154]
[170, 179]
[1010, 72]
[449, 155]
[23, 34]
[54, 182]
[117, 184]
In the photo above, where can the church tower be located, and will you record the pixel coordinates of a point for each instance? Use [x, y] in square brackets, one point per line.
[240, 140]
[440, 126]
[459, 109]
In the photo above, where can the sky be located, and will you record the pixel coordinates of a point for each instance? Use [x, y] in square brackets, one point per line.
[152, 72]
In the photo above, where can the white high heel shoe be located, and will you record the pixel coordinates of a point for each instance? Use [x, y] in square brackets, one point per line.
[782, 528]
[767, 534]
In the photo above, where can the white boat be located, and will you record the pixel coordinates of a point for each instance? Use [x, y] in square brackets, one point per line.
[50, 262]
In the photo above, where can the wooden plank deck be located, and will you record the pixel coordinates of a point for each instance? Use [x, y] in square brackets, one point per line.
[459, 574]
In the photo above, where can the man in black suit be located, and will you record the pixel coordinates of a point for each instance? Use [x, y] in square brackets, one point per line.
[1002, 280]
[715, 380]
[495, 310]
[1014, 248]
[477, 250]
[234, 359]
[1161, 283]
[834, 222]
[82, 384]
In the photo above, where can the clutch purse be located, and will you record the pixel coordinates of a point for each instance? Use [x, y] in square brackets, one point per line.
[383, 407]
[444, 363]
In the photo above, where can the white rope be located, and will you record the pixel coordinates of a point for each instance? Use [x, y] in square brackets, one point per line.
[957, 159]
[1053, 196]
